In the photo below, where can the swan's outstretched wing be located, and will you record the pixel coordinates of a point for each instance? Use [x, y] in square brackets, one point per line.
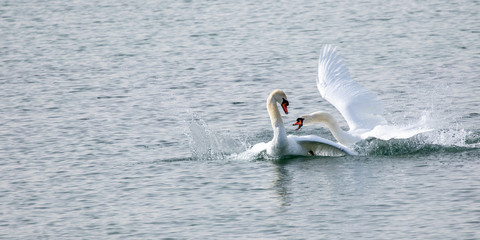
[319, 146]
[360, 107]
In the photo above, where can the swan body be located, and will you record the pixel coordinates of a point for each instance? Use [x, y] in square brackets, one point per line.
[361, 108]
[282, 145]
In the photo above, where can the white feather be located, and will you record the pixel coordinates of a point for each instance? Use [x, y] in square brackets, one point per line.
[360, 107]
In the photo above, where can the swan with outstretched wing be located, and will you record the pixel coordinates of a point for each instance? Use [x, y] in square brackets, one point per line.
[360, 107]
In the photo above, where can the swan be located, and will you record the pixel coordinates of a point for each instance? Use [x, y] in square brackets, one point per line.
[282, 145]
[361, 108]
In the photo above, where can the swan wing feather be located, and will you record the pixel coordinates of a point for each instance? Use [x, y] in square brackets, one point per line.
[322, 147]
[360, 107]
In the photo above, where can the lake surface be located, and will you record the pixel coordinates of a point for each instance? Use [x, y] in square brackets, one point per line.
[125, 120]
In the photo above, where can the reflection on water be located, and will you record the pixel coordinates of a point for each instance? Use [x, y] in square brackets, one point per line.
[282, 183]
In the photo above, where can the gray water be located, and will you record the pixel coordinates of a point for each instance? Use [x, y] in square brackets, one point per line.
[123, 120]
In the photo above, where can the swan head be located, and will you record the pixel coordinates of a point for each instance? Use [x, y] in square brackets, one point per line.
[299, 123]
[304, 120]
[280, 97]
[316, 117]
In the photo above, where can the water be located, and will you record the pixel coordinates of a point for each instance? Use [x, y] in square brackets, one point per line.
[125, 119]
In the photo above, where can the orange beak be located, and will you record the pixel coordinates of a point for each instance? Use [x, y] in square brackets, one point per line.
[284, 106]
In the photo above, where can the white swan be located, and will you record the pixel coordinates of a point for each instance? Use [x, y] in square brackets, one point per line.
[360, 107]
[282, 145]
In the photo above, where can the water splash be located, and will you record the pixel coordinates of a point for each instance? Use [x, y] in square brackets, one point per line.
[205, 144]
[440, 137]
[448, 137]
[445, 140]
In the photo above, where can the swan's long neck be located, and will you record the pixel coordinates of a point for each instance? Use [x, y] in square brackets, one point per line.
[332, 124]
[279, 133]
